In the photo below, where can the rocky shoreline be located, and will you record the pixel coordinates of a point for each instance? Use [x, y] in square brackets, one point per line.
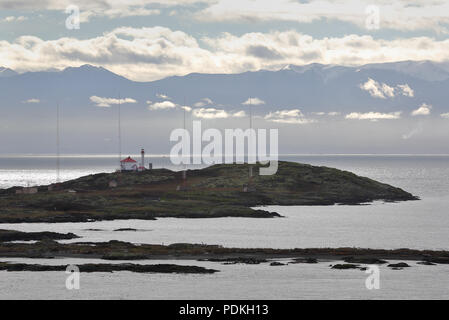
[118, 250]
[138, 268]
[13, 235]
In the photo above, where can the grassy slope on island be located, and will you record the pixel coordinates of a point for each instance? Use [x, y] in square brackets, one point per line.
[216, 191]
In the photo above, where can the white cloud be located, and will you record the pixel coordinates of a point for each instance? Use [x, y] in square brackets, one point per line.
[14, 18]
[99, 8]
[401, 15]
[406, 90]
[33, 100]
[387, 90]
[210, 113]
[384, 91]
[423, 110]
[239, 114]
[145, 54]
[117, 12]
[163, 96]
[107, 102]
[374, 88]
[186, 108]
[374, 116]
[293, 116]
[254, 101]
[203, 102]
[213, 113]
[162, 105]
[331, 114]
[445, 115]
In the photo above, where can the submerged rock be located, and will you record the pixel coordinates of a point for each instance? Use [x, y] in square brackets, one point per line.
[426, 263]
[345, 266]
[399, 265]
[365, 260]
[303, 260]
[242, 260]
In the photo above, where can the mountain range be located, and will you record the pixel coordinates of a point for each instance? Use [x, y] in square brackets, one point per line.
[323, 93]
[310, 88]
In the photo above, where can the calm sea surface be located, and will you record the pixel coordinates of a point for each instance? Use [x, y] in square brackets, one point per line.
[422, 224]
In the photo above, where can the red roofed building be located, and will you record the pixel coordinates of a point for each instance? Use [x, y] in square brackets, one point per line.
[128, 164]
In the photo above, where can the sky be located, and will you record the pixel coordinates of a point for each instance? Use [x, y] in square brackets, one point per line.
[146, 40]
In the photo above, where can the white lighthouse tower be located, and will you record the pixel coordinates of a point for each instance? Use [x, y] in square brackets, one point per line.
[142, 160]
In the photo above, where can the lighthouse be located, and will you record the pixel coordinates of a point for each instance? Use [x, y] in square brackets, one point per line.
[142, 160]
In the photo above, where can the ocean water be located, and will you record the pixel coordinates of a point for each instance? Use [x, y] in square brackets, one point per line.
[419, 224]
[294, 281]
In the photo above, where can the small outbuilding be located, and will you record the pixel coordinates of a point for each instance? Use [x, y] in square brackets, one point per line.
[128, 164]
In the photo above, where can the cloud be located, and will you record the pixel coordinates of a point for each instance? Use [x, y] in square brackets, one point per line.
[210, 113]
[239, 114]
[99, 8]
[107, 102]
[406, 90]
[162, 96]
[145, 54]
[117, 12]
[331, 114]
[14, 18]
[445, 115]
[162, 105]
[213, 113]
[203, 102]
[374, 88]
[33, 100]
[254, 102]
[403, 15]
[374, 116]
[423, 110]
[293, 116]
[400, 15]
[384, 91]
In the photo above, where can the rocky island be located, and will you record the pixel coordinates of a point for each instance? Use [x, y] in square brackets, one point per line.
[216, 191]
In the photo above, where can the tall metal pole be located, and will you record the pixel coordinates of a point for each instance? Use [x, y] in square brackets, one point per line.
[250, 173]
[58, 165]
[184, 172]
[250, 114]
[119, 130]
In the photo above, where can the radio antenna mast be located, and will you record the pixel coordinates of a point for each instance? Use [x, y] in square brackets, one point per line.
[58, 164]
[119, 130]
